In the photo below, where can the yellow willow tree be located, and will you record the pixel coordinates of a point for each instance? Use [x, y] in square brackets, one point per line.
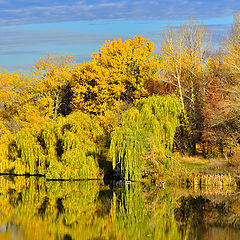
[66, 148]
[119, 72]
[53, 76]
[184, 51]
[16, 109]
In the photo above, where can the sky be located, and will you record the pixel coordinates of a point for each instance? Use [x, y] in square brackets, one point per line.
[30, 29]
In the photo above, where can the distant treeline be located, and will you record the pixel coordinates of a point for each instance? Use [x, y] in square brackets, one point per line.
[131, 105]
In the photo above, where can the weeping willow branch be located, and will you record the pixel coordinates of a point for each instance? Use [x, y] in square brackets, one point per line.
[64, 149]
[145, 138]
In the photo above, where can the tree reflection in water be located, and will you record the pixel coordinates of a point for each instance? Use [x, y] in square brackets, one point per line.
[33, 208]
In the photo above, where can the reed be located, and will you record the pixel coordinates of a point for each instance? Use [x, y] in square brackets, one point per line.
[203, 180]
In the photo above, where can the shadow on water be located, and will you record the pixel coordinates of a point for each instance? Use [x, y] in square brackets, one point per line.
[33, 208]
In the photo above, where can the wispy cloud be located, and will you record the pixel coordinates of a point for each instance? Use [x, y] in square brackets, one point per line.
[79, 27]
[26, 45]
[26, 11]
[12, 38]
[23, 52]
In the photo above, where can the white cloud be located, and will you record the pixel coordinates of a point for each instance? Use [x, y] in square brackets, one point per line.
[25, 11]
[13, 38]
[111, 4]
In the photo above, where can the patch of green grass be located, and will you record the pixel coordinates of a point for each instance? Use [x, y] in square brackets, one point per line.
[194, 166]
[191, 163]
[201, 165]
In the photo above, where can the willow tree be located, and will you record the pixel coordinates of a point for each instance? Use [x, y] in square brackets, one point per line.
[74, 146]
[67, 148]
[185, 51]
[119, 72]
[142, 145]
[5, 139]
[17, 111]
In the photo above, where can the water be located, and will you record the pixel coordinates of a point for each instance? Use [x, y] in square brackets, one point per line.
[33, 208]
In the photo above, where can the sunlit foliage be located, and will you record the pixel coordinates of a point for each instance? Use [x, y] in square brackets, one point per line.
[117, 96]
[142, 144]
[119, 72]
[232, 107]
[17, 101]
[52, 76]
[67, 148]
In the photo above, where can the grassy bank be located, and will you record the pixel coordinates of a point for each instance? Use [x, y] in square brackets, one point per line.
[198, 171]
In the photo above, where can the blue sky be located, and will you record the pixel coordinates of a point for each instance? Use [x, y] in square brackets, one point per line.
[30, 29]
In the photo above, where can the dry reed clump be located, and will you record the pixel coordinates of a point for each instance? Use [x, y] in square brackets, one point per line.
[197, 171]
[197, 179]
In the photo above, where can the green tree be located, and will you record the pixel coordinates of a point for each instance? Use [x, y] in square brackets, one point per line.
[142, 145]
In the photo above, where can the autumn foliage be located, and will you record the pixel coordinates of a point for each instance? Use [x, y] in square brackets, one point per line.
[118, 73]
[132, 104]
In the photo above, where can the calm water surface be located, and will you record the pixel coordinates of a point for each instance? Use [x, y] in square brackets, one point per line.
[33, 208]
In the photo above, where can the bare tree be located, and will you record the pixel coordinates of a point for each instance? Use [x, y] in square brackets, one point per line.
[185, 51]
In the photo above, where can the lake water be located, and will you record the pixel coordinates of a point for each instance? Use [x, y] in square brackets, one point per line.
[33, 208]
